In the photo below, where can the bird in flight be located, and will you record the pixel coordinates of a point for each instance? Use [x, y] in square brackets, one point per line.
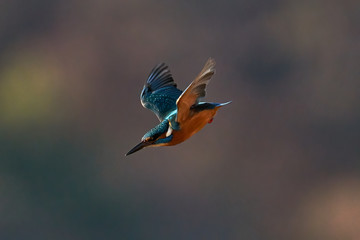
[181, 113]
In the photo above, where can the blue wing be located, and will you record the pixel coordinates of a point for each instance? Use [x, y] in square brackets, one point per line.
[160, 92]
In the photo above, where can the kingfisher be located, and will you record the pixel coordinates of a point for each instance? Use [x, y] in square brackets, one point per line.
[181, 113]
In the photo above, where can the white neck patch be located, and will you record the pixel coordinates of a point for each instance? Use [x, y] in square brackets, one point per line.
[169, 131]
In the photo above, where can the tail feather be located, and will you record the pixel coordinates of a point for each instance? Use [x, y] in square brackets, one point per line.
[223, 104]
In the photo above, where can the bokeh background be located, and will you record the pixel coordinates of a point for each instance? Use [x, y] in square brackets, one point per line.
[281, 162]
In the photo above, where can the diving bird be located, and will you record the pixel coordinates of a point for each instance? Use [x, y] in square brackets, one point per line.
[181, 113]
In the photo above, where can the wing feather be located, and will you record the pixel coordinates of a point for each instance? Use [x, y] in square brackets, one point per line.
[195, 91]
[160, 92]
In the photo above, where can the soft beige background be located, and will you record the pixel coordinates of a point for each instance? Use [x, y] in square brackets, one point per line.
[281, 162]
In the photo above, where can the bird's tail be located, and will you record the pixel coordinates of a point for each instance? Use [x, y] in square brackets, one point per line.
[219, 105]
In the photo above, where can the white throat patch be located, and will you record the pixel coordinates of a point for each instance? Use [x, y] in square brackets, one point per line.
[169, 131]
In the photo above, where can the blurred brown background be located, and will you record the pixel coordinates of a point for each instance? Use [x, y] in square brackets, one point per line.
[281, 162]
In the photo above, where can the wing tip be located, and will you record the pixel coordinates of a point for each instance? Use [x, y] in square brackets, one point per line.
[209, 68]
[159, 77]
[210, 63]
[211, 60]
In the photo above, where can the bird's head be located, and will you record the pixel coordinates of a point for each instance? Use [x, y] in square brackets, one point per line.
[155, 137]
[147, 142]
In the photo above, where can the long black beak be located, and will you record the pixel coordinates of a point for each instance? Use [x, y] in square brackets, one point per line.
[138, 147]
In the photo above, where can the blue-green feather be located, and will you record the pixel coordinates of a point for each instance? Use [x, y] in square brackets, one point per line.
[164, 140]
[157, 131]
[206, 106]
[160, 92]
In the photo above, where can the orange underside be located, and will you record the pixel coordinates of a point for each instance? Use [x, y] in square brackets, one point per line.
[191, 126]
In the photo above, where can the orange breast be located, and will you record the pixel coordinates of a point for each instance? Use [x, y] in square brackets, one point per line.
[192, 125]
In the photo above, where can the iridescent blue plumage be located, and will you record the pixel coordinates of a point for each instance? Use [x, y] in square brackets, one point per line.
[155, 132]
[180, 113]
[160, 93]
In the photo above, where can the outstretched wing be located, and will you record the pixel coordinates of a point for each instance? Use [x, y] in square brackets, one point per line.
[195, 91]
[160, 93]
